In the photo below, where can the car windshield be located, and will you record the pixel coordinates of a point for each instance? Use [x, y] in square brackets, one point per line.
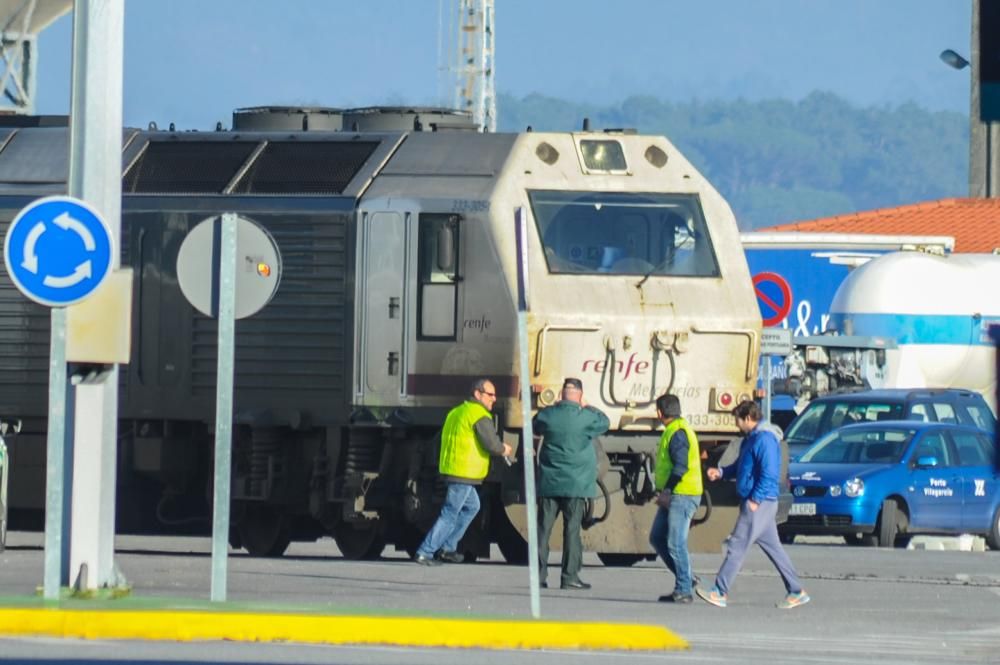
[868, 445]
[822, 417]
[624, 234]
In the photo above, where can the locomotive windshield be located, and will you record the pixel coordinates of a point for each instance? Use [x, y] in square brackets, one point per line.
[624, 234]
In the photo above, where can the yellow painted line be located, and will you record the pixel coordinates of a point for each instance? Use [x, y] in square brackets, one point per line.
[415, 632]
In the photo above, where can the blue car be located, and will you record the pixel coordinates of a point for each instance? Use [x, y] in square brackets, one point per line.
[879, 483]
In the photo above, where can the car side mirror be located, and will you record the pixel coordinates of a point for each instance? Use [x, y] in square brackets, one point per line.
[927, 462]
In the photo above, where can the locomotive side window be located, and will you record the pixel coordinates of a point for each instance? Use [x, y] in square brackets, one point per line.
[437, 260]
[624, 234]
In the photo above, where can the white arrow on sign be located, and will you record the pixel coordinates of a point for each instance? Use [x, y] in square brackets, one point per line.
[30, 262]
[81, 273]
[67, 223]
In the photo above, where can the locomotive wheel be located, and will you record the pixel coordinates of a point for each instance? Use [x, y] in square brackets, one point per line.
[512, 546]
[357, 542]
[619, 559]
[264, 532]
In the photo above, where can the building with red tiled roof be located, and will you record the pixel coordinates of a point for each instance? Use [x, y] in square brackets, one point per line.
[974, 223]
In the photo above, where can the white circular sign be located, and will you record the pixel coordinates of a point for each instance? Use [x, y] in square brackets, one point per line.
[258, 266]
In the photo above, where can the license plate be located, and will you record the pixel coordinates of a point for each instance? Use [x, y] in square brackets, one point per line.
[802, 509]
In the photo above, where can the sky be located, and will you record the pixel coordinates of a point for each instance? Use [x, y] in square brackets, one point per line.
[192, 62]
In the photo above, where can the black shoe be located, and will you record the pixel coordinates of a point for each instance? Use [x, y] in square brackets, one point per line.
[545, 585]
[680, 598]
[426, 560]
[451, 557]
[578, 584]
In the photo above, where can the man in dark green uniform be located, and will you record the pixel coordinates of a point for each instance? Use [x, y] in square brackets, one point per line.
[567, 476]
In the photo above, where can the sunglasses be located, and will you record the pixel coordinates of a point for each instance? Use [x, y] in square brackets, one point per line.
[488, 394]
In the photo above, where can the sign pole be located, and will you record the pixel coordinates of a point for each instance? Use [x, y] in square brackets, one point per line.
[224, 309]
[95, 177]
[773, 342]
[527, 436]
[58, 463]
[767, 389]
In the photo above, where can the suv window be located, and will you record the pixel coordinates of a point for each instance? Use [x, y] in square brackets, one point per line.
[824, 416]
[976, 415]
[919, 412]
[945, 413]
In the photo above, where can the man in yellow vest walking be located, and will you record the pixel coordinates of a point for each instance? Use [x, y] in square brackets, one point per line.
[678, 479]
[467, 441]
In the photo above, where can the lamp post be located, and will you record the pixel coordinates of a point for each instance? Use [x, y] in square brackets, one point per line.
[984, 100]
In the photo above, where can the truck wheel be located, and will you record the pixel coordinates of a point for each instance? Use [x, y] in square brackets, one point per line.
[264, 532]
[993, 536]
[619, 559]
[889, 523]
[359, 542]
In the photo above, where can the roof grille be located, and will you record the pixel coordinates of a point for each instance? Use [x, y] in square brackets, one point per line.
[186, 167]
[305, 167]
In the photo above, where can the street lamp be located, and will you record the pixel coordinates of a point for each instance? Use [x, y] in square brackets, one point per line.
[953, 59]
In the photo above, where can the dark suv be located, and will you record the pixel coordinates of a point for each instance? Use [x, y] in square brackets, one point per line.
[946, 405]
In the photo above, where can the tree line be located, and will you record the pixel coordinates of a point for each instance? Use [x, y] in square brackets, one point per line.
[779, 161]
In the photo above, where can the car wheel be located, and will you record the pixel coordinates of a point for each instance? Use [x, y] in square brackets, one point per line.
[889, 524]
[786, 537]
[993, 537]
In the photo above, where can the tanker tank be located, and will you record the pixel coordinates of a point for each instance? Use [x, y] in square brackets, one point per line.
[937, 308]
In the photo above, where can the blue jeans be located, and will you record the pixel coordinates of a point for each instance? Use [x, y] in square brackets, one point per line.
[461, 506]
[669, 537]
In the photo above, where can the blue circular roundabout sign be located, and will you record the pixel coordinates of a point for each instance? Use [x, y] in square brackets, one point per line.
[58, 251]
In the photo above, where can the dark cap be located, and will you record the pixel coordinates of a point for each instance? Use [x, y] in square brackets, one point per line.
[573, 383]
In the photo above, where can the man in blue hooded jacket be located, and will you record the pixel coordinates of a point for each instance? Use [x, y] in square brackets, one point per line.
[757, 470]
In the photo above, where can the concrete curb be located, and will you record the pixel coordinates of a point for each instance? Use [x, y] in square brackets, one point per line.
[173, 625]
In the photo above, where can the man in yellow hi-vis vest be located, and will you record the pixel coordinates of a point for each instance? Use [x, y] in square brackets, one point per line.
[678, 479]
[467, 441]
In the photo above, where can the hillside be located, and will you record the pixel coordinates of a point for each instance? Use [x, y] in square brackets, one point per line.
[780, 161]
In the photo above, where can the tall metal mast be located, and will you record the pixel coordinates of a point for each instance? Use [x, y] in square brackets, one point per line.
[21, 21]
[473, 62]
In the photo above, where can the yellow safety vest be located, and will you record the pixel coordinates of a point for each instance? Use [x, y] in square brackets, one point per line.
[690, 483]
[461, 455]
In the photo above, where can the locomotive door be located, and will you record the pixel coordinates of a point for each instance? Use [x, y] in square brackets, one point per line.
[384, 292]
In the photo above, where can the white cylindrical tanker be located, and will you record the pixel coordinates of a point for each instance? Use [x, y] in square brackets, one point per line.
[937, 308]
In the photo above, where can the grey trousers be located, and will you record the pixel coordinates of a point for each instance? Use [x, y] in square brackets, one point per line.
[572, 509]
[756, 527]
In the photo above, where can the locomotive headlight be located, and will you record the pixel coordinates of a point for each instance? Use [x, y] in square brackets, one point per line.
[547, 397]
[263, 270]
[835, 490]
[854, 487]
[603, 155]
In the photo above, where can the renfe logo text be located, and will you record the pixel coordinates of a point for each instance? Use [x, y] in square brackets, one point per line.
[625, 367]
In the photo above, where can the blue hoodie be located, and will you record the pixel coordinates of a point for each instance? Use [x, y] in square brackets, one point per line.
[758, 466]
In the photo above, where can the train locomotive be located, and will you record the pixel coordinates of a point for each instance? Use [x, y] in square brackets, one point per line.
[398, 288]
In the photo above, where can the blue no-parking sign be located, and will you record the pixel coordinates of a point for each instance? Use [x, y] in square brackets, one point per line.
[58, 250]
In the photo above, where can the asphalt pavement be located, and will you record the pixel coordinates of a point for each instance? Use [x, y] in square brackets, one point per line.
[889, 606]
